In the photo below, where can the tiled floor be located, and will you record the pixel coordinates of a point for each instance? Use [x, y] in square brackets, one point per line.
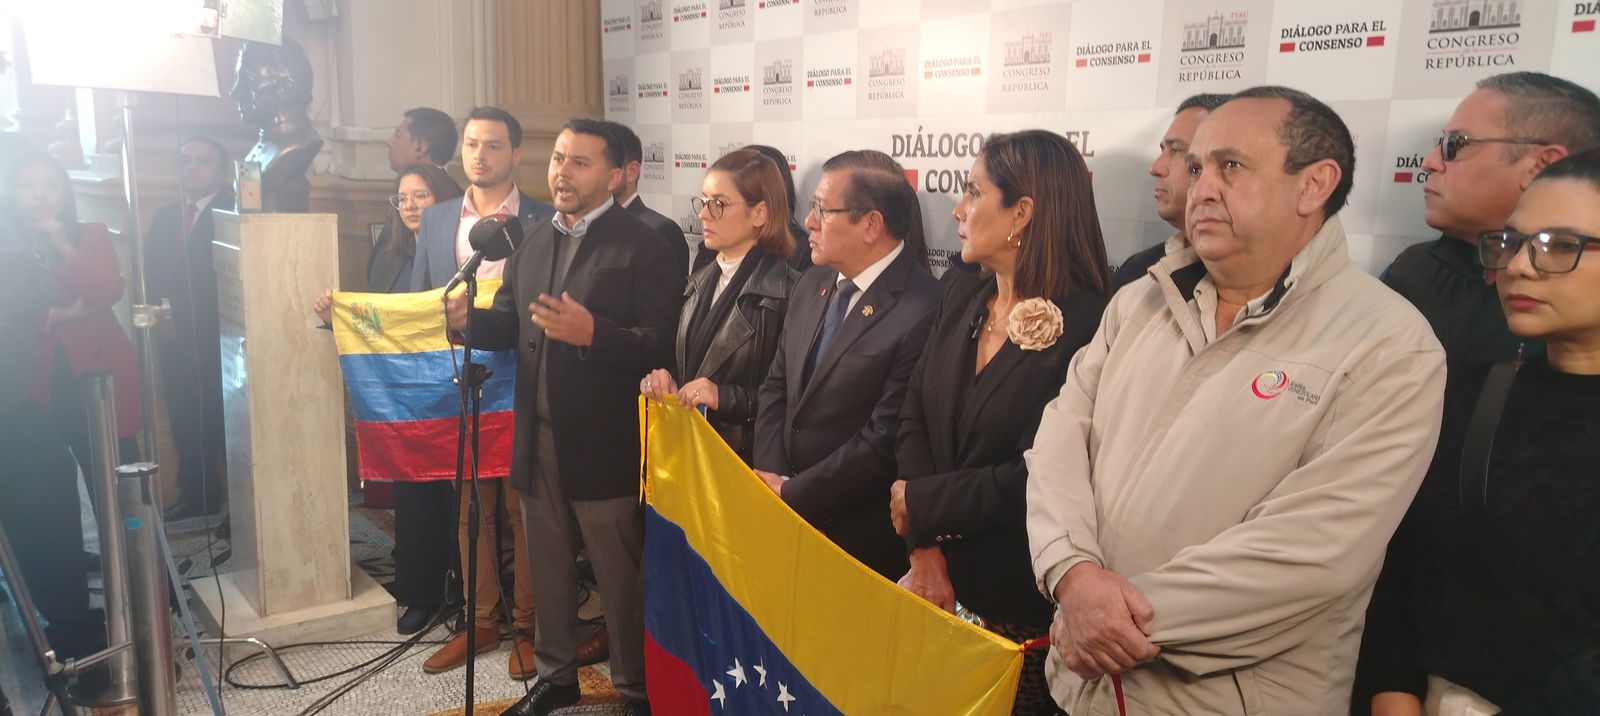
[400, 688]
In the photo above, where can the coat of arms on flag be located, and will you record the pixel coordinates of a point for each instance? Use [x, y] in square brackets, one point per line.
[398, 363]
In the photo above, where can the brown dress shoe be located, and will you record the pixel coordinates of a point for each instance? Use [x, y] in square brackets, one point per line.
[519, 665]
[454, 652]
[596, 649]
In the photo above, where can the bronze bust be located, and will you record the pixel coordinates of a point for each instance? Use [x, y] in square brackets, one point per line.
[272, 87]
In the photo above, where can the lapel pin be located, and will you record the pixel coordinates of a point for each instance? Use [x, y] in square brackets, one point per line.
[866, 311]
[823, 292]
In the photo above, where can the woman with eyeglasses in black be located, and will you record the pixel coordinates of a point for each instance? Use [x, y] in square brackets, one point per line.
[733, 307]
[1490, 599]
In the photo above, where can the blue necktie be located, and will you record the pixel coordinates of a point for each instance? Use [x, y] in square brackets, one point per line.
[830, 326]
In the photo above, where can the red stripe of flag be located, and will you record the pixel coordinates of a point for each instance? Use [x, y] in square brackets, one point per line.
[1144, 57]
[1583, 26]
[1082, 62]
[673, 685]
[1402, 177]
[1375, 41]
[1286, 47]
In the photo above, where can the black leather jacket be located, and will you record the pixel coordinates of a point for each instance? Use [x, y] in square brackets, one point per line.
[741, 351]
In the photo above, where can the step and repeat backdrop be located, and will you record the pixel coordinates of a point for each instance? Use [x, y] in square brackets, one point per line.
[928, 80]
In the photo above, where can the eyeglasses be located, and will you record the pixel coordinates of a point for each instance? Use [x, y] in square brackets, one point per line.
[822, 214]
[398, 200]
[715, 205]
[1450, 144]
[1549, 251]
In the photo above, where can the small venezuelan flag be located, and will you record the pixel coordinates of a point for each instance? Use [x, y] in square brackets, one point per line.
[750, 610]
[398, 365]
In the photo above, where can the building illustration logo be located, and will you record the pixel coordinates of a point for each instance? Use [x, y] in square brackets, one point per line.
[1216, 32]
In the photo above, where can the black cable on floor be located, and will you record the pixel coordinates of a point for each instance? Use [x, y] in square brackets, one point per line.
[398, 647]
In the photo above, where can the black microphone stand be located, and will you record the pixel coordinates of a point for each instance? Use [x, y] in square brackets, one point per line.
[471, 383]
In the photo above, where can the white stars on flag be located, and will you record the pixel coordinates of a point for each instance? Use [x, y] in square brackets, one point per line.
[766, 683]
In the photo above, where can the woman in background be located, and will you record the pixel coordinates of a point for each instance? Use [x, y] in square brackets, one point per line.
[1489, 601]
[79, 335]
[997, 354]
[733, 308]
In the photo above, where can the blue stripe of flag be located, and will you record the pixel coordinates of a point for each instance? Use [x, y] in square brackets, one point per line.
[388, 387]
[690, 615]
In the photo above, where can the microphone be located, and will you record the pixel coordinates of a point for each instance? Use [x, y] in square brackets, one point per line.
[493, 238]
[977, 323]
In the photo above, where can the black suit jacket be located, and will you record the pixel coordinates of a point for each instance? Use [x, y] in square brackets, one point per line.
[741, 349]
[836, 435]
[181, 269]
[961, 444]
[623, 275]
[667, 228]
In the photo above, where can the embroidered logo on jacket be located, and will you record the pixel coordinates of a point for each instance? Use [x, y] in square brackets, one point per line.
[1270, 384]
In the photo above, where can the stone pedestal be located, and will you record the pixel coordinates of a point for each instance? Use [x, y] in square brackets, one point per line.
[291, 578]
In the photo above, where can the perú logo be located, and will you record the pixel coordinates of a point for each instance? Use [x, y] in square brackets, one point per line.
[650, 11]
[1217, 32]
[619, 86]
[1270, 384]
[655, 152]
[689, 80]
[1457, 15]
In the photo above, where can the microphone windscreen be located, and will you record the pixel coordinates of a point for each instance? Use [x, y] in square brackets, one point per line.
[497, 236]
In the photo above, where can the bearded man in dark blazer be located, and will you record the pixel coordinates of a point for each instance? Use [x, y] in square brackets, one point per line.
[858, 319]
[590, 302]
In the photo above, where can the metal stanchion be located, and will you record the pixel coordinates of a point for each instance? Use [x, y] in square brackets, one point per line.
[147, 589]
[56, 675]
[118, 686]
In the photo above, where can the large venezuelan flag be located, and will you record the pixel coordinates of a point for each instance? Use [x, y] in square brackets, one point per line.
[749, 610]
[398, 365]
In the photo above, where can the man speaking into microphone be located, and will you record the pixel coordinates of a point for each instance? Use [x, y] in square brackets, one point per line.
[590, 302]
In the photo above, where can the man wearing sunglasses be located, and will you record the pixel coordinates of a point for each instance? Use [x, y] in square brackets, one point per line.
[1499, 138]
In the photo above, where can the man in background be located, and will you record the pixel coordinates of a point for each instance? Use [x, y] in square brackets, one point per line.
[627, 196]
[179, 268]
[1172, 185]
[1499, 138]
[425, 136]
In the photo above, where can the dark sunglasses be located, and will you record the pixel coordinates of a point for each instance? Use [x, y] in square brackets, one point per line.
[1451, 144]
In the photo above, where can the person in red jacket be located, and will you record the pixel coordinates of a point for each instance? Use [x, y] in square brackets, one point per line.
[79, 335]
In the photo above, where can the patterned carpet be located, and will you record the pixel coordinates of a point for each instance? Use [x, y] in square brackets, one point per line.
[598, 698]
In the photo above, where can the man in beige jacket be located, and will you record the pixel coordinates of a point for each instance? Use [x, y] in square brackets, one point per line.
[1210, 495]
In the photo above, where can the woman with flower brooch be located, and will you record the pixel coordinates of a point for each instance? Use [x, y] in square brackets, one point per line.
[997, 353]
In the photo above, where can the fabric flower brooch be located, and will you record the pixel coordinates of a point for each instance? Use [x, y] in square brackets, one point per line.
[1035, 324]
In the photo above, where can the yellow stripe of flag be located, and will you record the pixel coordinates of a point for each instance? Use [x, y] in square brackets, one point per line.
[396, 322]
[864, 643]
